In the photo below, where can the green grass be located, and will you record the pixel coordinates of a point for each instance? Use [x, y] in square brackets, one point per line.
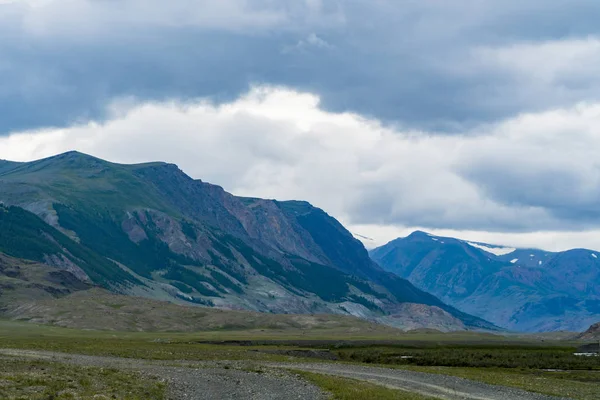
[515, 364]
[530, 358]
[151, 346]
[186, 346]
[44, 380]
[508, 355]
[350, 389]
[581, 385]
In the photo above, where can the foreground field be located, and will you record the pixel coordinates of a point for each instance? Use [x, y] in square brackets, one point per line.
[566, 384]
[45, 379]
[352, 389]
[243, 380]
[262, 359]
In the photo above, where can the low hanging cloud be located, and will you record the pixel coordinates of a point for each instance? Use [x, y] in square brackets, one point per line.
[535, 172]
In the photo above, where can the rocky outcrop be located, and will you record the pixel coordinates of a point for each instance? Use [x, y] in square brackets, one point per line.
[593, 333]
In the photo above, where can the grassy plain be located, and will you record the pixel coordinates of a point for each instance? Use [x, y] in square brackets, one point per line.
[350, 389]
[547, 367]
[46, 380]
[582, 385]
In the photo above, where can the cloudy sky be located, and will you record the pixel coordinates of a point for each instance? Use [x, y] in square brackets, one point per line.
[472, 118]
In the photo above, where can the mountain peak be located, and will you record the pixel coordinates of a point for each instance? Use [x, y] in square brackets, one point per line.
[419, 234]
[69, 159]
[72, 155]
[78, 160]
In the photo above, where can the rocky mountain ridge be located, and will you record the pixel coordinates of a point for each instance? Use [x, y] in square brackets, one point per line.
[518, 289]
[150, 230]
[593, 333]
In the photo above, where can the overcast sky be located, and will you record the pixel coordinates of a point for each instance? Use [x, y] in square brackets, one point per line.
[472, 118]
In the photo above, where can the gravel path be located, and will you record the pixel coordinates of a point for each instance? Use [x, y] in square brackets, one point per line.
[229, 379]
[201, 381]
[434, 385]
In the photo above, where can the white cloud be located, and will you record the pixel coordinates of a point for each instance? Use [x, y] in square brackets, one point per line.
[312, 41]
[89, 17]
[549, 62]
[549, 240]
[279, 143]
[546, 73]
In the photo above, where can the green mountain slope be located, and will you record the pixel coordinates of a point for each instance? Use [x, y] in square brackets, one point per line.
[152, 231]
[23, 235]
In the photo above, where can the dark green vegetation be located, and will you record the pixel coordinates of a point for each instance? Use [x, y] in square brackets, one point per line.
[350, 389]
[193, 280]
[523, 290]
[105, 236]
[24, 235]
[548, 368]
[150, 230]
[521, 356]
[43, 380]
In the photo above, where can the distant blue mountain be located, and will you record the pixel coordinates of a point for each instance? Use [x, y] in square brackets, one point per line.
[518, 289]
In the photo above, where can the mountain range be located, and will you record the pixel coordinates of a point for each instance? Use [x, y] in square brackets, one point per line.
[74, 222]
[519, 289]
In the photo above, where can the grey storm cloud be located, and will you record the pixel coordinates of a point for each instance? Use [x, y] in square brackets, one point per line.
[465, 115]
[418, 64]
[534, 172]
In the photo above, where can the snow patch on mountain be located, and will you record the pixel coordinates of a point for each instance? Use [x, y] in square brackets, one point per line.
[497, 251]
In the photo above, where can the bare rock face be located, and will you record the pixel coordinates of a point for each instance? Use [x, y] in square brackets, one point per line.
[133, 229]
[264, 220]
[62, 262]
[593, 333]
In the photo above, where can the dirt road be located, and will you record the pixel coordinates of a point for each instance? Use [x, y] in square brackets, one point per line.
[191, 381]
[434, 385]
[232, 380]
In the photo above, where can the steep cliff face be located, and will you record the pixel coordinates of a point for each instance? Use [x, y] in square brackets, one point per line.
[519, 289]
[593, 333]
[151, 230]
